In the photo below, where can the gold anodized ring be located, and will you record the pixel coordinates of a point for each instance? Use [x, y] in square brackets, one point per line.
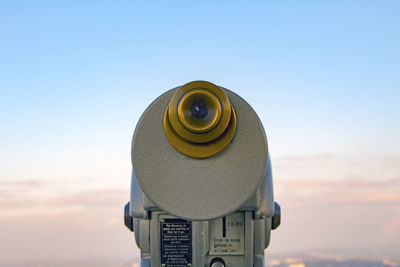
[212, 114]
[199, 120]
[196, 137]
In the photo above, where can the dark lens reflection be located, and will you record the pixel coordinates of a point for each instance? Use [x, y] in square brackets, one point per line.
[199, 110]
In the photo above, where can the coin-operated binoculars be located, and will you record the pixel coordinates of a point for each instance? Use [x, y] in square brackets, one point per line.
[201, 190]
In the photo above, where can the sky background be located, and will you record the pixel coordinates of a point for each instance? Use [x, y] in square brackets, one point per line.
[75, 76]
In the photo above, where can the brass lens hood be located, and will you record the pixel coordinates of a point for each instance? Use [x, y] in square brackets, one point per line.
[205, 133]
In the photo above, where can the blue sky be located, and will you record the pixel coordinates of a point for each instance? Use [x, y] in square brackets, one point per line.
[322, 75]
[311, 68]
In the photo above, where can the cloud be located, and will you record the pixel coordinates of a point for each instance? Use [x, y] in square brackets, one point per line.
[353, 183]
[354, 159]
[333, 178]
[393, 225]
[58, 226]
[20, 183]
[100, 197]
[300, 159]
[392, 159]
[15, 202]
[65, 234]
[301, 192]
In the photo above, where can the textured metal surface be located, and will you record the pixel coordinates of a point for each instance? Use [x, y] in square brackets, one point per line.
[151, 252]
[199, 189]
[260, 209]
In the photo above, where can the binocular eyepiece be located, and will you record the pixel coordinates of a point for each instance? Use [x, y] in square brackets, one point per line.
[201, 188]
[199, 121]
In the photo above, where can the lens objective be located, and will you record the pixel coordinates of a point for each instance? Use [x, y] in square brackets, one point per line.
[199, 110]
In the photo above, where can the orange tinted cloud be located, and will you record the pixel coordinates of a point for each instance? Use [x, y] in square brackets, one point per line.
[85, 225]
[393, 225]
[344, 183]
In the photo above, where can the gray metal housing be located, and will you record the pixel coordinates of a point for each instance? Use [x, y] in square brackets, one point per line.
[167, 184]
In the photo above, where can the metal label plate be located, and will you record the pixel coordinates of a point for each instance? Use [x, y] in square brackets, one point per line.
[227, 235]
[176, 242]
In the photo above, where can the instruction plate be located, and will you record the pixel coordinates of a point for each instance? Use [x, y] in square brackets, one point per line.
[176, 242]
[227, 235]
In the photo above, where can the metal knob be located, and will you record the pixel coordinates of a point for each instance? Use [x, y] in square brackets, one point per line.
[217, 263]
